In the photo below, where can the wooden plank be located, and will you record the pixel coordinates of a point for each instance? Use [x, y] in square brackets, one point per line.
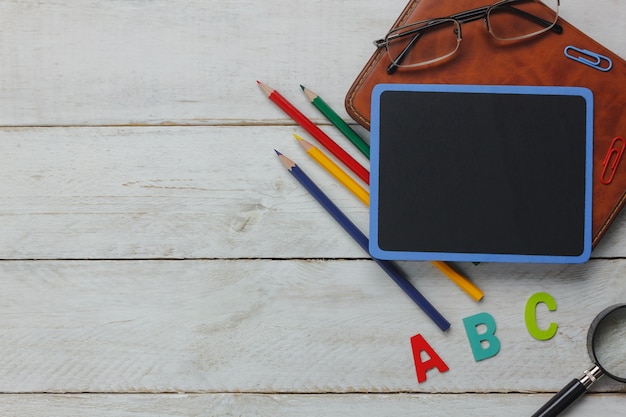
[162, 62]
[163, 193]
[195, 62]
[278, 405]
[172, 192]
[284, 326]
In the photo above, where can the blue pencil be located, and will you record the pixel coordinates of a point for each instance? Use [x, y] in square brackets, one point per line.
[362, 240]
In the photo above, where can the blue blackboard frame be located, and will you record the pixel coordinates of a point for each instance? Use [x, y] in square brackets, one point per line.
[397, 253]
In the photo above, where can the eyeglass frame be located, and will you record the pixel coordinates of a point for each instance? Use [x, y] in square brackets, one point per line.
[459, 19]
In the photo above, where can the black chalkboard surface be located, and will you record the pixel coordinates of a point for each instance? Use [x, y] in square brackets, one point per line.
[481, 173]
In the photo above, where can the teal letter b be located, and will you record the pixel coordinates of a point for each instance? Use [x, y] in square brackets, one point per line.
[476, 340]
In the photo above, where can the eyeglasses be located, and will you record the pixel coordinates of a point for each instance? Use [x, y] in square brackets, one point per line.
[433, 40]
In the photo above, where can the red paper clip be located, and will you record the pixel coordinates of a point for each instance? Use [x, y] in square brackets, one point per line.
[611, 160]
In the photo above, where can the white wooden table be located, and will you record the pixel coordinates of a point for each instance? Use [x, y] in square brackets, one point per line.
[156, 258]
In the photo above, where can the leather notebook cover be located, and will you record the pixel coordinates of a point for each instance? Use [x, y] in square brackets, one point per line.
[538, 61]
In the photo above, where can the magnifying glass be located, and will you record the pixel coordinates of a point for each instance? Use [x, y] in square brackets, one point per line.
[606, 343]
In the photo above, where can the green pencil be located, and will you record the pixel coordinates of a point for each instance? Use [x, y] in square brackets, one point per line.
[339, 123]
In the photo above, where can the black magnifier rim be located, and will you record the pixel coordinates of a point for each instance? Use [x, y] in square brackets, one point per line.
[591, 337]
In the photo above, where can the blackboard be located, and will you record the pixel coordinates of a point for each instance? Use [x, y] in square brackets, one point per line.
[481, 173]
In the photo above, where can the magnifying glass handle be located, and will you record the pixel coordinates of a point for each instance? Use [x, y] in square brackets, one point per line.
[562, 399]
[569, 393]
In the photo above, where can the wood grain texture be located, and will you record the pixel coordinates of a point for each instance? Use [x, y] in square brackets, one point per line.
[283, 326]
[164, 193]
[278, 405]
[90, 62]
[161, 62]
[156, 259]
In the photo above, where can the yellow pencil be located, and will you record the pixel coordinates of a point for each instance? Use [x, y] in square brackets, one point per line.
[465, 284]
[319, 157]
[363, 195]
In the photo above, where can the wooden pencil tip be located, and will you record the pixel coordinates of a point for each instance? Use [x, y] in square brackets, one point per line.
[302, 87]
[310, 95]
[267, 90]
[306, 145]
[288, 163]
[277, 153]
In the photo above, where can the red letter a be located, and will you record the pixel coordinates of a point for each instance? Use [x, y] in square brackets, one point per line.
[419, 345]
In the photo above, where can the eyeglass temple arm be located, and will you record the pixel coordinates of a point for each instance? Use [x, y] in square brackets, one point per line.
[380, 43]
[394, 64]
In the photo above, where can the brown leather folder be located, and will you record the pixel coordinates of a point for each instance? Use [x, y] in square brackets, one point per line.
[538, 61]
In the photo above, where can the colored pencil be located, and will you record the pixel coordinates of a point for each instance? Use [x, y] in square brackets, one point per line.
[319, 157]
[337, 121]
[316, 132]
[362, 240]
[315, 153]
[462, 282]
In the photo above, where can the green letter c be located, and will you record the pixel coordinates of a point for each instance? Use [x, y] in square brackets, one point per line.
[530, 315]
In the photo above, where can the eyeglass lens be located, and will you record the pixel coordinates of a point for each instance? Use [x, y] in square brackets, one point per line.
[430, 42]
[521, 19]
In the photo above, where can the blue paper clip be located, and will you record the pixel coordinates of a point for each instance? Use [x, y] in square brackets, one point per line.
[594, 60]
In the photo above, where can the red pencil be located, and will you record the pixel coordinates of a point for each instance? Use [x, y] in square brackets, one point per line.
[316, 132]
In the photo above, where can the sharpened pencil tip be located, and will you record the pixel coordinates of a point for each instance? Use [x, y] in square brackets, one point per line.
[267, 90]
[277, 153]
[288, 163]
[302, 87]
[306, 145]
[310, 95]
